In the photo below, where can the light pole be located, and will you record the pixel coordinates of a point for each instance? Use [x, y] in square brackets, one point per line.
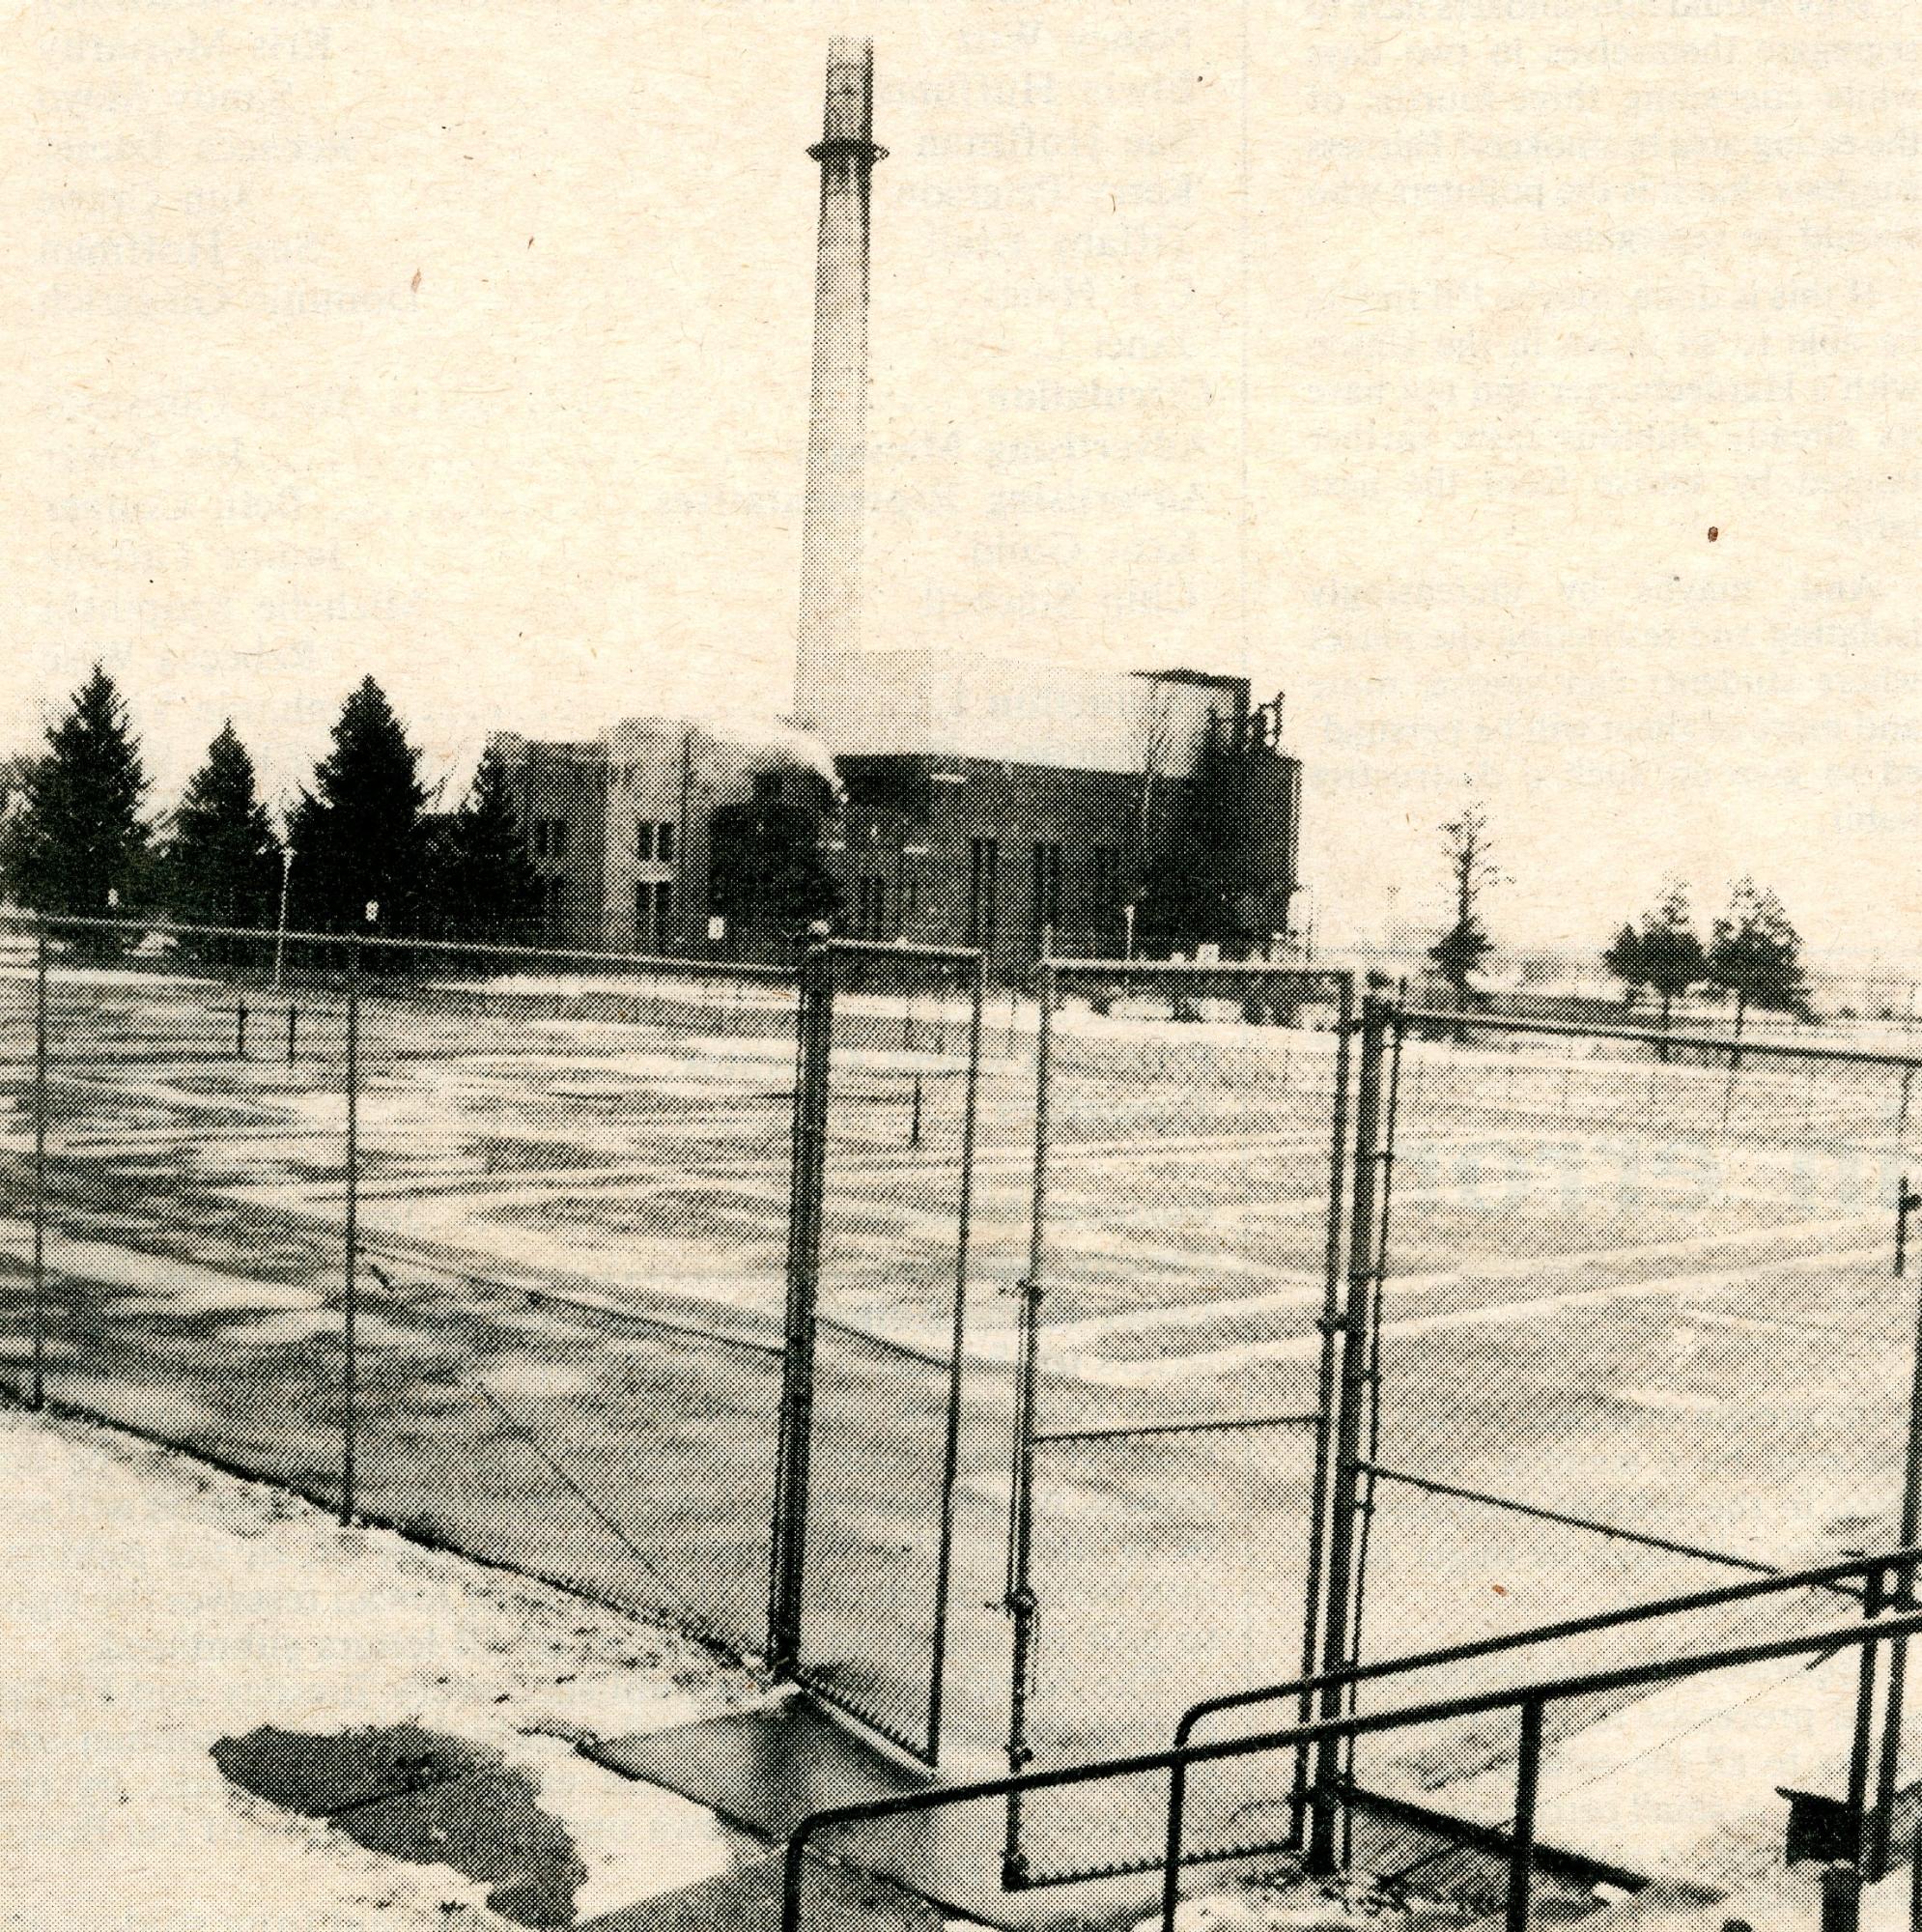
[280, 934]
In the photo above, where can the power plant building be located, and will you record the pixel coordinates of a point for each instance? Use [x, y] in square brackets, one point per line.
[986, 800]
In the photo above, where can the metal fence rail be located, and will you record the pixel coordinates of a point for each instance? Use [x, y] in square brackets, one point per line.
[907, 1848]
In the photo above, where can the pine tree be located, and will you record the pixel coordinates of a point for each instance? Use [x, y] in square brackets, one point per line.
[220, 862]
[485, 885]
[1757, 954]
[1673, 958]
[80, 846]
[357, 836]
[1623, 959]
[1662, 953]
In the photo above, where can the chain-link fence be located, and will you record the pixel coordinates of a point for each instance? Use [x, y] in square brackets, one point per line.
[1171, 1440]
[488, 1245]
[887, 1113]
[1155, 1330]
[1632, 1326]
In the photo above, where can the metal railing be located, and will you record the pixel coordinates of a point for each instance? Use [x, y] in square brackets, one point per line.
[1305, 1690]
[1530, 1701]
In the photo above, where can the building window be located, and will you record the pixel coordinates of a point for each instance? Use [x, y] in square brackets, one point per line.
[654, 843]
[550, 837]
[985, 862]
[556, 907]
[653, 915]
[643, 844]
[1047, 886]
[871, 908]
[663, 844]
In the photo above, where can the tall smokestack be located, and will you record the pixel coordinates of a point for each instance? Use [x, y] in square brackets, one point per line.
[831, 534]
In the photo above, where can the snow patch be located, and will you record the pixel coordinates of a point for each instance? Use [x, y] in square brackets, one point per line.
[175, 1287]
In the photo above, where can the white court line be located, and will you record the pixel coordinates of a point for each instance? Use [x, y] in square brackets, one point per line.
[1164, 1370]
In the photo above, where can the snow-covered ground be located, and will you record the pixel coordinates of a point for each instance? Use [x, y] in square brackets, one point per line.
[151, 1607]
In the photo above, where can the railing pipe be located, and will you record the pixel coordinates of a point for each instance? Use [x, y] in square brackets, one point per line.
[695, 967]
[1910, 1527]
[1022, 1604]
[1824, 1576]
[803, 1287]
[950, 1459]
[1776, 1049]
[1591, 1684]
[1170, 1871]
[1862, 1740]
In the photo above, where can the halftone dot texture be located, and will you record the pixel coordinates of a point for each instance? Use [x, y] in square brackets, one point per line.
[1633, 1324]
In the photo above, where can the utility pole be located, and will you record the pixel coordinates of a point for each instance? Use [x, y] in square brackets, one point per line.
[280, 934]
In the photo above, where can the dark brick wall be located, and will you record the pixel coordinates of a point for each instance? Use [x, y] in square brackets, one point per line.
[904, 854]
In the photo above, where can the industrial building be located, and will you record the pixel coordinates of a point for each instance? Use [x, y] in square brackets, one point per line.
[956, 795]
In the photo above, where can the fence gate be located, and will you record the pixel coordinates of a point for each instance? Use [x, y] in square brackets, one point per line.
[878, 1249]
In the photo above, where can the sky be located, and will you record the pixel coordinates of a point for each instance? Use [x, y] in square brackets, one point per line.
[1524, 388]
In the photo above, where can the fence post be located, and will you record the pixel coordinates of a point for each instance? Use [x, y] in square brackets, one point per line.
[1863, 1742]
[1909, 1528]
[1022, 1605]
[950, 1467]
[1521, 1839]
[1351, 1403]
[240, 1028]
[293, 1022]
[38, 1387]
[1841, 1898]
[1325, 1413]
[350, 1367]
[814, 1029]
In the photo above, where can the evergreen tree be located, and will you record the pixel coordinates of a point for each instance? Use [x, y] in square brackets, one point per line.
[1662, 953]
[1673, 958]
[220, 862]
[1623, 959]
[79, 845]
[1757, 954]
[485, 886]
[357, 837]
